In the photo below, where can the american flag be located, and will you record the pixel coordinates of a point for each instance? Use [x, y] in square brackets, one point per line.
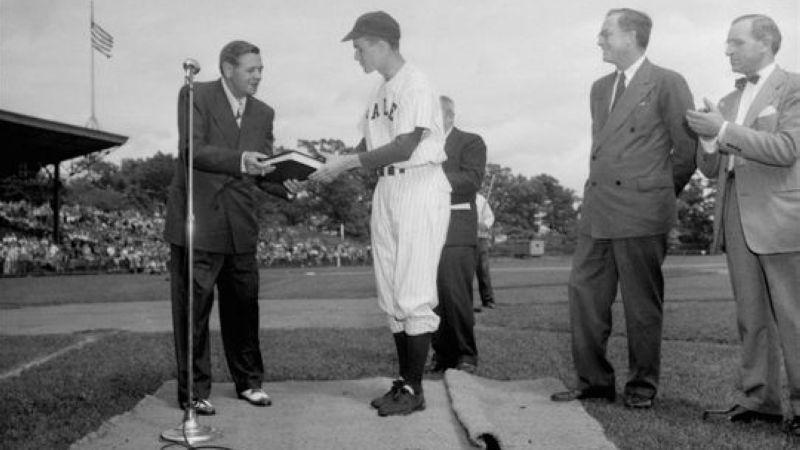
[102, 41]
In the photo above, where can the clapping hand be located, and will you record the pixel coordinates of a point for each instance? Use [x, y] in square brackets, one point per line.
[707, 121]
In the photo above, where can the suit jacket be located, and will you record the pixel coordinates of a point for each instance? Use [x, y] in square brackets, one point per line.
[224, 197]
[768, 173]
[643, 154]
[464, 168]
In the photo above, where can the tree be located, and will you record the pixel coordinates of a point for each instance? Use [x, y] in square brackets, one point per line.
[146, 181]
[695, 227]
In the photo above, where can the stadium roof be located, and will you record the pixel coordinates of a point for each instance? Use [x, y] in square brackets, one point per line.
[32, 140]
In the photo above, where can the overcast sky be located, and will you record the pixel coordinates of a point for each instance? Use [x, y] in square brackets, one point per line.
[519, 71]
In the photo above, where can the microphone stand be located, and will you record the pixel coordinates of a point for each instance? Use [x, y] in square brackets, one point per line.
[190, 431]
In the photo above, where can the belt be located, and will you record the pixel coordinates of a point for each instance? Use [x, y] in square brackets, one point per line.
[388, 171]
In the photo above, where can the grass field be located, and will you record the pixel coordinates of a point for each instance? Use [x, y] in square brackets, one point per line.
[56, 403]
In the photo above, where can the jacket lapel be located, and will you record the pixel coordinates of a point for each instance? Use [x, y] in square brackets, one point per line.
[640, 85]
[765, 96]
[250, 132]
[602, 100]
[221, 110]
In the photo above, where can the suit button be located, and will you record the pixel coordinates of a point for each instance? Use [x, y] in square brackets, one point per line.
[594, 157]
[633, 129]
[594, 183]
[618, 182]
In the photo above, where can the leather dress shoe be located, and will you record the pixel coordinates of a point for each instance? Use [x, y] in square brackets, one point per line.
[740, 414]
[637, 401]
[604, 393]
[202, 407]
[467, 367]
[477, 309]
[256, 397]
[490, 305]
[793, 427]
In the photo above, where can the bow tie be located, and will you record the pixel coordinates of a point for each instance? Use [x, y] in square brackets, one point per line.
[741, 82]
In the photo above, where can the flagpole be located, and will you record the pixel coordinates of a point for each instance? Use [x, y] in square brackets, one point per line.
[92, 123]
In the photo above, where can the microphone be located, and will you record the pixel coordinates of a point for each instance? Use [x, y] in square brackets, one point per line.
[191, 66]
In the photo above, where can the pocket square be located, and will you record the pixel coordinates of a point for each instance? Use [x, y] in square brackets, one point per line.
[768, 111]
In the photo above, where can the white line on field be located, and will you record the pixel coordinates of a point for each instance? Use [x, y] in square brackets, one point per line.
[92, 338]
[567, 268]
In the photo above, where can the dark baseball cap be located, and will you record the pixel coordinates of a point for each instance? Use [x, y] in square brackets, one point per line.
[376, 23]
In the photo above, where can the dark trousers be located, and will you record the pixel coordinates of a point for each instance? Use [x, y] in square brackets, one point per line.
[598, 266]
[236, 278]
[482, 271]
[454, 341]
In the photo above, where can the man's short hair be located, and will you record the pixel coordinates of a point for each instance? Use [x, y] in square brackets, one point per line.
[233, 50]
[636, 21]
[764, 29]
[448, 101]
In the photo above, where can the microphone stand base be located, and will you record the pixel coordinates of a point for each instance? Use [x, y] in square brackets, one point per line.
[190, 432]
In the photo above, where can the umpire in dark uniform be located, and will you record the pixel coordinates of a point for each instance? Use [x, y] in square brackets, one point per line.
[454, 341]
[232, 134]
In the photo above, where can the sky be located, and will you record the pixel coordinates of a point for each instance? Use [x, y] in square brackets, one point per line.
[519, 70]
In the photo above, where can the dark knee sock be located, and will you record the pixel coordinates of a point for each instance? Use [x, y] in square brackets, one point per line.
[401, 342]
[418, 347]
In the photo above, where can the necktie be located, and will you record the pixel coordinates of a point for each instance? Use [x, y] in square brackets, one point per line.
[741, 82]
[619, 90]
[239, 112]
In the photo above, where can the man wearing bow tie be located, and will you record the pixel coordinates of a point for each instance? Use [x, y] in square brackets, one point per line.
[642, 156]
[751, 144]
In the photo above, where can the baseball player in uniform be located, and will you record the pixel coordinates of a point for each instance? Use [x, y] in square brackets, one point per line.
[404, 142]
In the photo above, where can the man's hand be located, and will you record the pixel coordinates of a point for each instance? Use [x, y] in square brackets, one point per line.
[294, 187]
[707, 121]
[334, 166]
[254, 163]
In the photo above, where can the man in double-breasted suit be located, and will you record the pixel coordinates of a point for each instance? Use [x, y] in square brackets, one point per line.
[642, 155]
[454, 341]
[751, 144]
[232, 134]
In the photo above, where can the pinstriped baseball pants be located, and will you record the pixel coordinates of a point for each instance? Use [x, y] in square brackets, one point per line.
[410, 216]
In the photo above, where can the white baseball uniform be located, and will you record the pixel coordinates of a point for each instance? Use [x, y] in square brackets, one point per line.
[410, 210]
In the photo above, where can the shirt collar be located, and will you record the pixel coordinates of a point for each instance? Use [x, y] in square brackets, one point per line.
[234, 102]
[632, 69]
[765, 72]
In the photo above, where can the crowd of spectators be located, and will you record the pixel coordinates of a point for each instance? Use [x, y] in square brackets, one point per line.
[130, 241]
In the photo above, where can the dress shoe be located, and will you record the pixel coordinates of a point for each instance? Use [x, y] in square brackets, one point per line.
[637, 401]
[740, 414]
[402, 403]
[793, 426]
[256, 397]
[604, 393]
[490, 305]
[467, 367]
[202, 407]
[477, 309]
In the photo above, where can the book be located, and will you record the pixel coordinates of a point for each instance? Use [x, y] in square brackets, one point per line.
[291, 165]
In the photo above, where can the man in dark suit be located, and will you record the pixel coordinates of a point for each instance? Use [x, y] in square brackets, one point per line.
[232, 135]
[642, 155]
[751, 144]
[454, 341]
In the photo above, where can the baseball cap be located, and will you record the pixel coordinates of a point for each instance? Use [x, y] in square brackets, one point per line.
[376, 23]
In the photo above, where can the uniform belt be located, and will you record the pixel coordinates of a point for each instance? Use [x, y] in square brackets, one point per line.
[388, 171]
